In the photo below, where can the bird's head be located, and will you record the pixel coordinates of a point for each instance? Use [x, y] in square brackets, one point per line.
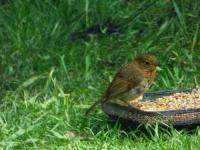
[147, 62]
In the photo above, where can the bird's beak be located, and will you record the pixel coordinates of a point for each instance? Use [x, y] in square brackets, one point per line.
[158, 68]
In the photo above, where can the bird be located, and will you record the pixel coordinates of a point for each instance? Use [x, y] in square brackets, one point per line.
[131, 81]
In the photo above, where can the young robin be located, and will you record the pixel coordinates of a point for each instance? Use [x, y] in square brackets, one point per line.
[131, 81]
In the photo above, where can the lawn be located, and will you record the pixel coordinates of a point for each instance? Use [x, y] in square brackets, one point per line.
[57, 57]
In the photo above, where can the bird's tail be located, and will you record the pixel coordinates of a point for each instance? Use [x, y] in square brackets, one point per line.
[93, 106]
[101, 100]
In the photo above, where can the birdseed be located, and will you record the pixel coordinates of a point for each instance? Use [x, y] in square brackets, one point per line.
[177, 101]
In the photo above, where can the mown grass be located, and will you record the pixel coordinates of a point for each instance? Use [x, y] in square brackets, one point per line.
[48, 79]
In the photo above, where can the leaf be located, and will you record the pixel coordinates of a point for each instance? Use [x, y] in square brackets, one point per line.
[72, 134]
[18, 133]
[178, 12]
[194, 40]
[87, 64]
[162, 28]
[57, 135]
[31, 81]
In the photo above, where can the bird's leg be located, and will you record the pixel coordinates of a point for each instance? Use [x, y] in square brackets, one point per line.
[124, 103]
[127, 103]
[131, 102]
[121, 102]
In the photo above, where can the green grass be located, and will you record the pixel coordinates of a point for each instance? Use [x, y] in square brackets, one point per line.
[49, 80]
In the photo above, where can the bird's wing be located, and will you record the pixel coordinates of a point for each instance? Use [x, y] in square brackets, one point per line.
[126, 79]
[132, 74]
[117, 87]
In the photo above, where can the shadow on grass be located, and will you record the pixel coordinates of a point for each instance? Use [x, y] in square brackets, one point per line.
[151, 130]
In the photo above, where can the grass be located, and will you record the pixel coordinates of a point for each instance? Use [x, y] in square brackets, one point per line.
[48, 80]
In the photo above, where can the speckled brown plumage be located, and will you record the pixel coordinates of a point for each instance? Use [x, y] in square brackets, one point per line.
[131, 81]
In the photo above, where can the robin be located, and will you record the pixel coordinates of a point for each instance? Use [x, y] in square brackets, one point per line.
[131, 81]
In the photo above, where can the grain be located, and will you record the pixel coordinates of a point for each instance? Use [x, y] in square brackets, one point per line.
[177, 101]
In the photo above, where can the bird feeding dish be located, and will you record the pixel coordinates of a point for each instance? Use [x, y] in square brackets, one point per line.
[179, 107]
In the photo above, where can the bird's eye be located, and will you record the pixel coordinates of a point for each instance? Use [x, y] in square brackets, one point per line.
[147, 63]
